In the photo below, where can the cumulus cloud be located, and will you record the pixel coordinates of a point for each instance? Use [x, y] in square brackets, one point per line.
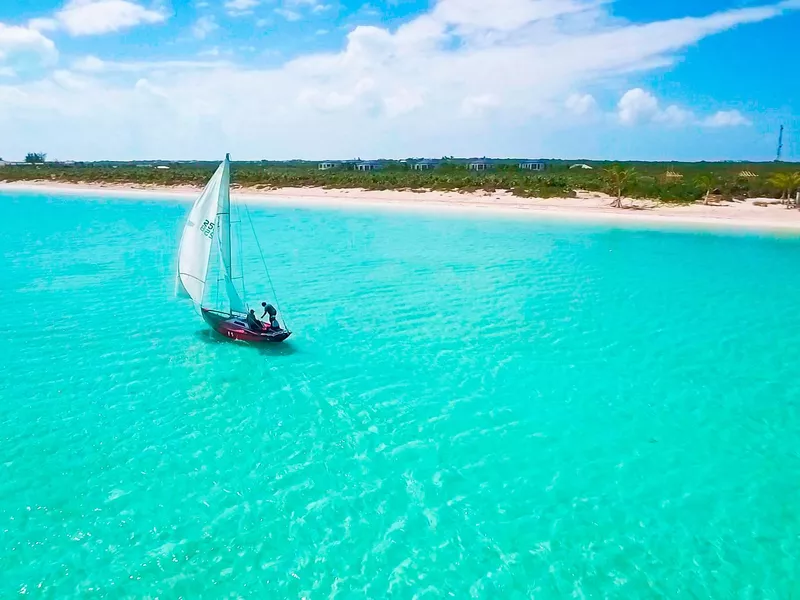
[581, 104]
[726, 118]
[17, 41]
[43, 24]
[465, 71]
[402, 101]
[637, 106]
[94, 17]
[675, 115]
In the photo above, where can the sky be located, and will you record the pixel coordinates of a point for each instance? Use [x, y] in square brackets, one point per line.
[336, 79]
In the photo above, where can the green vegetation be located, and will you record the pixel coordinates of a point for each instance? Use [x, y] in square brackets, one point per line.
[666, 182]
[706, 184]
[787, 183]
[618, 179]
[35, 158]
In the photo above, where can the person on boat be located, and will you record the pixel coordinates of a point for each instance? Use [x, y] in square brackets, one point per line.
[273, 315]
[252, 322]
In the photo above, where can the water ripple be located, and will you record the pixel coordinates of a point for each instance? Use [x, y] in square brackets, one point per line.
[467, 409]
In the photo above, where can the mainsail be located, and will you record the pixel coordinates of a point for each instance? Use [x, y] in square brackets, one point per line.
[198, 233]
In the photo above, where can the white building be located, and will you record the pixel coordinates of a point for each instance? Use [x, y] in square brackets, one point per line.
[532, 166]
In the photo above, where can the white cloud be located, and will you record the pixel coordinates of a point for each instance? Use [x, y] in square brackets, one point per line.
[7, 72]
[581, 104]
[463, 78]
[471, 16]
[402, 101]
[43, 24]
[89, 64]
[241, 7]
[474, 106]
[93, 17]
[367, 10]
[72, 82]
[636, 106]
[675, 115]
[294, 10]
[16, 41]
[203, 27]
[289, 15]
[726, 118]
[321, 32]
[144, 86]
[92, 64]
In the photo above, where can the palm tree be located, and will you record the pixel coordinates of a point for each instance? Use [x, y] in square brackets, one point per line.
[786, 183]
[617, 179]
[707, 184]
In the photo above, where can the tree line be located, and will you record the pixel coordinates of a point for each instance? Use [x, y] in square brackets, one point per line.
[666, 182]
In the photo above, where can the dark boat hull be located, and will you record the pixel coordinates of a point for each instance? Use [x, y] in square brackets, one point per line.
[236, 328]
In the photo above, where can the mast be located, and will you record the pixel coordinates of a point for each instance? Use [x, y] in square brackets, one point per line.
[224, 238]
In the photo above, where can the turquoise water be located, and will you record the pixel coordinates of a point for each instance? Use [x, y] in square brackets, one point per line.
[468, 409]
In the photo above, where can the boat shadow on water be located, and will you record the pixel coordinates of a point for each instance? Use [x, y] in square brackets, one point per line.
[209, 336]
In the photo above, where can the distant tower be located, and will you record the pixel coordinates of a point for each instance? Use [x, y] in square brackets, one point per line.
[780, 146]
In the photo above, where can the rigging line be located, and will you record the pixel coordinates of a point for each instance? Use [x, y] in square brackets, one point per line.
[241, 253]
[264, 262]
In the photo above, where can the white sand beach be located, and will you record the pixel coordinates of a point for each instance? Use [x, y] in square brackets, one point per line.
[759, 214]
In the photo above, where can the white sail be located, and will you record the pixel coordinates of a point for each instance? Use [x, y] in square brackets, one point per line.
[224, 238]
[198, 233]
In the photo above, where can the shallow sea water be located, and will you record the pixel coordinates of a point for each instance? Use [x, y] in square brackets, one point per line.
[467, 409]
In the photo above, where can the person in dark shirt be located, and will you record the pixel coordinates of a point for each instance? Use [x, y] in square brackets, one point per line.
[273, 315]
[252, 322]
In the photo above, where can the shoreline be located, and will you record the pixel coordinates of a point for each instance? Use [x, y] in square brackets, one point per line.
[586, 207]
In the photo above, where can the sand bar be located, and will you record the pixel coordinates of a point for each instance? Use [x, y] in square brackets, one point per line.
[587, 206]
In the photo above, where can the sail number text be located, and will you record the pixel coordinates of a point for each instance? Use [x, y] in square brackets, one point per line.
[208, 229]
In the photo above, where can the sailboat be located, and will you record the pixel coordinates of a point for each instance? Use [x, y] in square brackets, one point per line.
[210, 218]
